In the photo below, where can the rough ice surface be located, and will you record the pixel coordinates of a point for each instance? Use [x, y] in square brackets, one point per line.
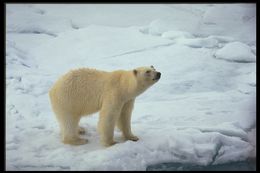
[201, 112]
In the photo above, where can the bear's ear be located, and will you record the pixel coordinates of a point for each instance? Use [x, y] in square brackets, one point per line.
[152, 67]
[135, 72]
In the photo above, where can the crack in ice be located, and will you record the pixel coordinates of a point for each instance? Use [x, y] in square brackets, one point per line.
[141, 50]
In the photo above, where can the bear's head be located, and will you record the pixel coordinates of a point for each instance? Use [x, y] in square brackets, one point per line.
[146, 76]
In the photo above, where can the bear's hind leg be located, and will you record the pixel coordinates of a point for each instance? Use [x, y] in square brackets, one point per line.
[70, 129]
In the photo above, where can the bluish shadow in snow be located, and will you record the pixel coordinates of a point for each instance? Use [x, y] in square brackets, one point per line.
[35, 31]
[233, 166]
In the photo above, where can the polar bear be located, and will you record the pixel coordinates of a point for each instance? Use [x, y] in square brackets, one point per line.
[85, 91]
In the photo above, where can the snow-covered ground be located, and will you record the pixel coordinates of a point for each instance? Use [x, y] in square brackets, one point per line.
[202, 111]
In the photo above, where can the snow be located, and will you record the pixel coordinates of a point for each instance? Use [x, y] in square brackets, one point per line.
[226, 21]
[24, 20]
[236, 51]
[177, 34]
[93, 43]
[202, 111]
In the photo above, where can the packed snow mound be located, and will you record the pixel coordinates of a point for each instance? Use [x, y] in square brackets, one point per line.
[236, 51]
[188, 39]
[196, 148]
[222, 39]
[199, 42]
[233, 20]
[159, 26]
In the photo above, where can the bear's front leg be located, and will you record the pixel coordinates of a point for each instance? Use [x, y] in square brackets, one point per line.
[124, 121]
[108, 116]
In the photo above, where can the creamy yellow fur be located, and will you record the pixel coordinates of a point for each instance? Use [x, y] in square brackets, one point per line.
[85, 91]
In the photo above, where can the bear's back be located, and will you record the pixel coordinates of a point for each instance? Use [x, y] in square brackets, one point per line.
[80, 87]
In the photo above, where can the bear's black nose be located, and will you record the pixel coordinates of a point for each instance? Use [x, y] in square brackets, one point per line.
[158, 75]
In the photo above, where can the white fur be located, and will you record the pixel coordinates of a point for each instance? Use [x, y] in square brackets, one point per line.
[85, 91]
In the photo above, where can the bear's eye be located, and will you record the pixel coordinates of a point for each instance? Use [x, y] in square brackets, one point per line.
[148, 71]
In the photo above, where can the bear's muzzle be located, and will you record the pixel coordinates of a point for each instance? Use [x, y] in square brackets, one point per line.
[158, 76]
